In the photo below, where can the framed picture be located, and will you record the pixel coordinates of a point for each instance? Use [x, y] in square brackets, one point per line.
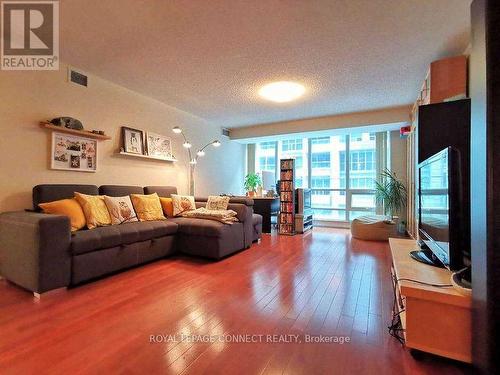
[158, 145]
[73, 153]
[132, 140]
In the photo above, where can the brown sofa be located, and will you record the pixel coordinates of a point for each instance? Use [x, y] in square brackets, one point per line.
[39, 252]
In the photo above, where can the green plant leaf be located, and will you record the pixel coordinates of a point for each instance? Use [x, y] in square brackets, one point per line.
[390, 192]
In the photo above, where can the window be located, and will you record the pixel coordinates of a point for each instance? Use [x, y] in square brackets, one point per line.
[298, 162]
[342, 161]
[320, 160]
[320, 182]
[356, 138]
[267, 163]
[320, 141]
[291, 145]
[267, 145]
[363, 160]
[265, 157]
[297, 149]
[340, 170]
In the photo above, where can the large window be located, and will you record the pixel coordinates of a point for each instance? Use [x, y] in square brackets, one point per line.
[340, 170]
[291, 145]
[265, 156]
[320, 160]
[297, 149]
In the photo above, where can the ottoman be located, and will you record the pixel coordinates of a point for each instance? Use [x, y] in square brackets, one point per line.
[373, 228]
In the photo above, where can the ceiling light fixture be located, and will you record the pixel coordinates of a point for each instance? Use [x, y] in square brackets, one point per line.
[177, 130]
[282, 91]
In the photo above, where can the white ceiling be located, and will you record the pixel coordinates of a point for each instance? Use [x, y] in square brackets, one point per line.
[209, 57]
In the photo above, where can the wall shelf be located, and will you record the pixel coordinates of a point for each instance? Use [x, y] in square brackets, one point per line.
[82, 133]
[146, 156]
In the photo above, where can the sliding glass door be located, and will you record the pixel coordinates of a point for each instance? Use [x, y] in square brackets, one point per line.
[340, 170]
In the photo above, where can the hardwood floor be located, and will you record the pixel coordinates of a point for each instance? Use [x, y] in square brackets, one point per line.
[322, 283]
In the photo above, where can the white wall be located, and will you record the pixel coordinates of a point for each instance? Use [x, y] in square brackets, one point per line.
[29, 97]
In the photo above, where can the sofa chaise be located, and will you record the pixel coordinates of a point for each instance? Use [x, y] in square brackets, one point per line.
[40, 253]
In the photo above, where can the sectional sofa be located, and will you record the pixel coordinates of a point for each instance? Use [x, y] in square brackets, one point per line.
[40, 253]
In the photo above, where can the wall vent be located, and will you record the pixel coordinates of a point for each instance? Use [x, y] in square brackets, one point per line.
[77, 77]
[225, 132]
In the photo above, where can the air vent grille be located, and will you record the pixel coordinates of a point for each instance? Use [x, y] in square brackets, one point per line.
[225, 132]
[78, 78]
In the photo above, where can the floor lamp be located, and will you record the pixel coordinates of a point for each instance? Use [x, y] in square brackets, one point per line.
[193, 161]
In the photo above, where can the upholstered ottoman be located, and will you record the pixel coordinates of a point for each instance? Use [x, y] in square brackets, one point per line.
[257, 227]
[373, 228]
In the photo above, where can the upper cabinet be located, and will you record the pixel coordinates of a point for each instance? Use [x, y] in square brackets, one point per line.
[446, 80]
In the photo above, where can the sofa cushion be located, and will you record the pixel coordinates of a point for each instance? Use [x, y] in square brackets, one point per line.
[200, 227]
[119, 190]
[256, 219]
[54, 192]
[105, 237]
[162, 191]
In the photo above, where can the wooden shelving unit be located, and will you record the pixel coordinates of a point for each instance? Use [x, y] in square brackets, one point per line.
[434, 319]
[286, 217]
[82, 133]
[146, 156]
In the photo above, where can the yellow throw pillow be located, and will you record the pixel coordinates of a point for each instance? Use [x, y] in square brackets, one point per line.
[147, 207]
[95, 210]
[168, 207]
[183, 203]
[66, 207]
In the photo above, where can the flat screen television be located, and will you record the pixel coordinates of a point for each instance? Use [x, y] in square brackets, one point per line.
[442, 226]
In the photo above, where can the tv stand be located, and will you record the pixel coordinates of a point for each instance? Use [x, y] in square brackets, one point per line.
[427, 257]
[434, 319]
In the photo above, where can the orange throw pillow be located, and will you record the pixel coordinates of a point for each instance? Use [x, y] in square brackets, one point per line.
[168, 206]
[66, 207]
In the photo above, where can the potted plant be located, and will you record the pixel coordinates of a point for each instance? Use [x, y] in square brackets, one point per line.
[252, 181]
[390, 192]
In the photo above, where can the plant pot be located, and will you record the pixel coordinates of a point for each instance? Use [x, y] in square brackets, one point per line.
[250, 193]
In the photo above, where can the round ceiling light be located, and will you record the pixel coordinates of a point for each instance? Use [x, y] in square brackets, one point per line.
[282, 92]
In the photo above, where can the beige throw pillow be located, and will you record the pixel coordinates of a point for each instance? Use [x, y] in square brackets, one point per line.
[182, 203]
[216, 202]
[120, 209]
[95, 210]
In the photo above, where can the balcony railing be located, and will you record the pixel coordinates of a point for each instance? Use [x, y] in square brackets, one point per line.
[342, 207]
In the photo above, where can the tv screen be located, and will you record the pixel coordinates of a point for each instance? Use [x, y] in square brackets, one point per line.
[434, 204]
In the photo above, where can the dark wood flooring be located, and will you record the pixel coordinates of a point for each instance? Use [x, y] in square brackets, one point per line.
[322, 283]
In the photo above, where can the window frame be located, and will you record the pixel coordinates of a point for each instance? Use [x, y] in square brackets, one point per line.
[378, 161]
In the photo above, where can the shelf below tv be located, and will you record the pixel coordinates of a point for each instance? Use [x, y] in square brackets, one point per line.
[435, 319]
